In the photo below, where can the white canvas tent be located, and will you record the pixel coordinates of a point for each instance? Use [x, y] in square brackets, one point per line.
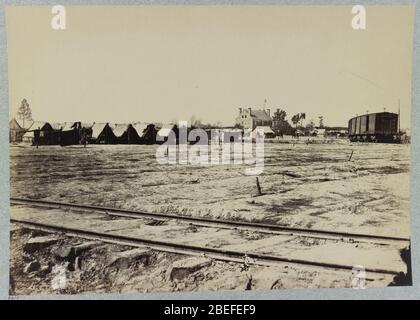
[120, 129]
[97, 129]
[140, 127]
[164, 132]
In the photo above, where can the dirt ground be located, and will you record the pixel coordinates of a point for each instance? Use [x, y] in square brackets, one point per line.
[307, 185]
[98, 271]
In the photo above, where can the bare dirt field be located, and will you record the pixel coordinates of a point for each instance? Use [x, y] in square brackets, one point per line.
[305, 185]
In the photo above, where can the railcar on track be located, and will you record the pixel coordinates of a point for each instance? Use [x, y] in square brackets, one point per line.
[375, 127]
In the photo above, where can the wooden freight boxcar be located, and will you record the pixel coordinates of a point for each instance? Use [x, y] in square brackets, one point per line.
[375, 127]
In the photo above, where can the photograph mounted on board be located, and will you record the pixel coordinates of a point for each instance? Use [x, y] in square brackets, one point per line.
[208, 148]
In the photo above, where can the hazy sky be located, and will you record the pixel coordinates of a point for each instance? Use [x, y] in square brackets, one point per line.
[121, 64]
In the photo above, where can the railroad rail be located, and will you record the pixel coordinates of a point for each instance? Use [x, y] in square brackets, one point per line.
[215, 253]
[206, 222]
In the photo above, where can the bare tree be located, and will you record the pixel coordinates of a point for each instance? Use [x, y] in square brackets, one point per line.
[24, 112]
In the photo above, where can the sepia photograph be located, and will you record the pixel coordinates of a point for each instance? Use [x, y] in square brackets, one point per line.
[188, 148]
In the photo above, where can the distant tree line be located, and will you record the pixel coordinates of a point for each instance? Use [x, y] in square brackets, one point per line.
[281, 125]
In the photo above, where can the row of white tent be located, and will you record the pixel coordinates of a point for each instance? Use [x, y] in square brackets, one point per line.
[118, 130]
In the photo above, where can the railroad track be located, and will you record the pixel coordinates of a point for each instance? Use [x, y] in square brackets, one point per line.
[206, 222]
[215, 253]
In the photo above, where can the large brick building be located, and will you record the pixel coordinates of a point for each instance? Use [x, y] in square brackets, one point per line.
[249, 118]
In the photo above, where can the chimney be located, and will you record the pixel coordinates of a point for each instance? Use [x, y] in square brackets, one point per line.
[268, 112]
[240, 110]
[249, 109]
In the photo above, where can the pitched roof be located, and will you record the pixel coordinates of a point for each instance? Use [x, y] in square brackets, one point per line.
[97, 129]
[165, 130]
[260, 115]
[265, 129]
[160, 125]
[87, 124]
[140, 127]
[68, 125]
[37, 125]
[120, 128]
[56, 125]
[13, 124]
[28, 124]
